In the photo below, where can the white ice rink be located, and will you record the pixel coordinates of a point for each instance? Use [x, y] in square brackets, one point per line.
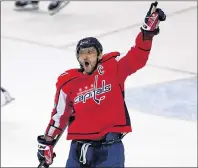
[36, 48]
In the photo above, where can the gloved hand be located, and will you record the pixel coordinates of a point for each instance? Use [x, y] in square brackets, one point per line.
[45, 151]
[150, 26]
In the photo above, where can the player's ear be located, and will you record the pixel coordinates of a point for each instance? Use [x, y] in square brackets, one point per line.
[100, 56]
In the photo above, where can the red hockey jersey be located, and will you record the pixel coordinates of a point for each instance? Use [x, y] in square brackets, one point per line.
[96, 102]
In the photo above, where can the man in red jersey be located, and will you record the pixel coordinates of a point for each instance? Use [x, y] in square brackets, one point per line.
[90, 101]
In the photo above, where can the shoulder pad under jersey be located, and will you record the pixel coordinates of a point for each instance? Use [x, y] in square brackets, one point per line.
[109, 56]
[67, 76]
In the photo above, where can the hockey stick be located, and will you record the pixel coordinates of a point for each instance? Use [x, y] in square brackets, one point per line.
[153, 7]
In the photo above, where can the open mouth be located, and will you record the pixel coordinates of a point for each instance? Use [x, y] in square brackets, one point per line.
[86, 63]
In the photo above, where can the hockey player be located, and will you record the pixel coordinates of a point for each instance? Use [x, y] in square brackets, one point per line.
[90, 101]
[53, 6]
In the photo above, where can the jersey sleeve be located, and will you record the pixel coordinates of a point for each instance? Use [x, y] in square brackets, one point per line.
[135, 58]
[61, 111]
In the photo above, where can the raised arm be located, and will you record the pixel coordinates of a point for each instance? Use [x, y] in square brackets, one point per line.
[137, 56]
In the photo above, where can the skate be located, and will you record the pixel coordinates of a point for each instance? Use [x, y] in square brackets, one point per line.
[56, 6]
[26, 5]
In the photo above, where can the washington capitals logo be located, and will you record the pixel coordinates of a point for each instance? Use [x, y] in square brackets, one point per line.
[94, 93]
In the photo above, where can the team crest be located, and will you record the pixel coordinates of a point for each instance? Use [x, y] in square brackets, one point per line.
[95, 93]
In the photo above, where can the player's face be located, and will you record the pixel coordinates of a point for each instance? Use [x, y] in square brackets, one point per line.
[88, 59]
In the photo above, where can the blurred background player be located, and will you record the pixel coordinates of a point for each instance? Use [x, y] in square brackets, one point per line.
[7, 97]
[53, 7]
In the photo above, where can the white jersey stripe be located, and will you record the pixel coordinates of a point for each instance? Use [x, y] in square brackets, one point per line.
[60, 108]
[51, 131]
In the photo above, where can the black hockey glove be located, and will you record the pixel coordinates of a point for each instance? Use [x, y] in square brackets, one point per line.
[45, 151]
[150, 26]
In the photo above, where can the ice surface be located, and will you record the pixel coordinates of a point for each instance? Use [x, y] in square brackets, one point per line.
[36, 48]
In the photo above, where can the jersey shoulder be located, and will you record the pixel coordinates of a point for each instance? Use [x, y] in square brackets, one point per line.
[109, 56]
[67, 76]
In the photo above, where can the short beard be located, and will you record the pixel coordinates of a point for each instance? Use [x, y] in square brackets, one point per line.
[82, 69]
